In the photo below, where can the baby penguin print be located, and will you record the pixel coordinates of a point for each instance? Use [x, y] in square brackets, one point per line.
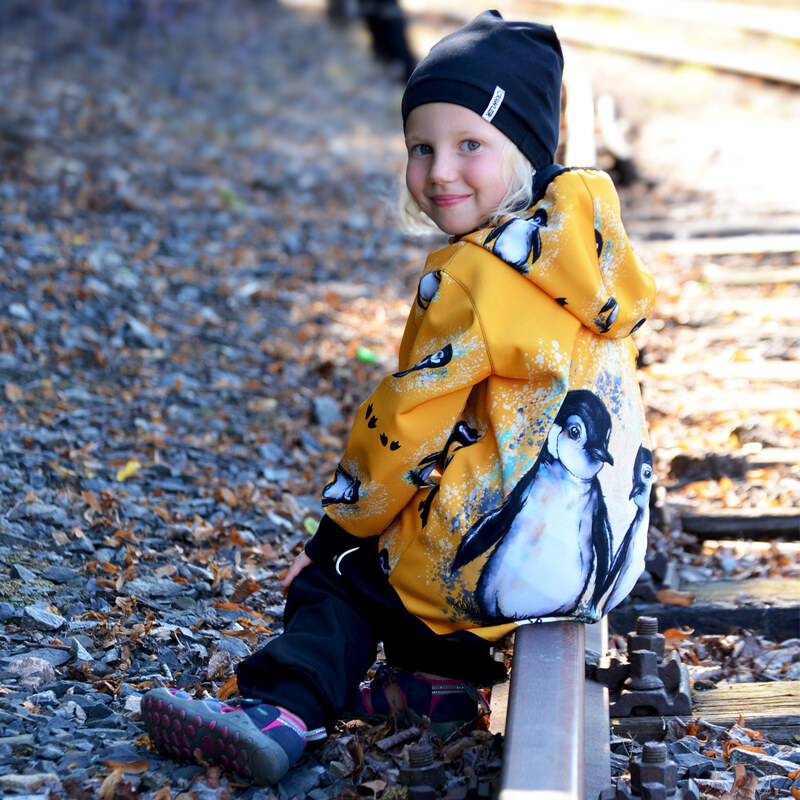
[552, 536]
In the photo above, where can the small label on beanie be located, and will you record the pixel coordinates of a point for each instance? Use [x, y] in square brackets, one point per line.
[494, 104]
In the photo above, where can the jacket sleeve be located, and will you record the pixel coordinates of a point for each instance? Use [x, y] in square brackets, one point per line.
[402, 427]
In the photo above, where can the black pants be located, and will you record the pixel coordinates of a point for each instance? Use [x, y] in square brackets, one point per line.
[333, 624]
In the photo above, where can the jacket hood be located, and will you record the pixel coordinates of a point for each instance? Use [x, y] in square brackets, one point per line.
[571, 244]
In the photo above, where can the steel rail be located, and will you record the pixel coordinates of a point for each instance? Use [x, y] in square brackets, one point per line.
[556, 733]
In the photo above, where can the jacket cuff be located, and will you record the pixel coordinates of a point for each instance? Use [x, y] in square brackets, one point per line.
[329, 541]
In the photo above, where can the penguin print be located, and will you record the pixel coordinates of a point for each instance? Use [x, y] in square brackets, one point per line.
[622, 574]
[428, 286]
[517, 241]
[436, 360]
[607, 315]
[552, 532]
[463, 435]
[342, 489]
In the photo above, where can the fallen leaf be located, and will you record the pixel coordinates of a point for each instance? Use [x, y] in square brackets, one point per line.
[228, 689]
[744, 785]
[13, 393]
[129, 470]
[673, 597]
[672, 635]
[109, 786]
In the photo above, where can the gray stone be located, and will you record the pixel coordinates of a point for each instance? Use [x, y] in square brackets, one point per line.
[769, 764]
[154, 587]
[46, 698]
[22, 573]
[30, 783]
[32, 672]
[71, 711]
[233, 645]
[42, 619]
[300, 780]
[325, 411]
[78, 651]
[686, 744]
[42, 512]
[52, 655]
[57, 574]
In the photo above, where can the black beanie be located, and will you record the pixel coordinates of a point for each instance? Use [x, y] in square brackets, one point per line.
[507, 72]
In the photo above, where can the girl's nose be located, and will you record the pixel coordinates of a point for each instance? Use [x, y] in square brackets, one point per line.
[442, 169]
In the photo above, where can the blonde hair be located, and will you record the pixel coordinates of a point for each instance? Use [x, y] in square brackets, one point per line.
[518, 196]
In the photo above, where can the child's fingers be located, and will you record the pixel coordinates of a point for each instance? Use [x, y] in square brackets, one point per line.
[297, 566]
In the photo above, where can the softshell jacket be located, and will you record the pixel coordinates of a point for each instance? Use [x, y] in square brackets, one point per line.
[505, 465]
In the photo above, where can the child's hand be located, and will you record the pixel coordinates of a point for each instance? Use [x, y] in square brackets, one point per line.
[297, 566]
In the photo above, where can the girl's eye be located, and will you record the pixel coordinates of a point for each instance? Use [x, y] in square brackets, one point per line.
[470, 145]
[421, 150]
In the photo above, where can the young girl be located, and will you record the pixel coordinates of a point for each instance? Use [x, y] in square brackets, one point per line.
[500, 476]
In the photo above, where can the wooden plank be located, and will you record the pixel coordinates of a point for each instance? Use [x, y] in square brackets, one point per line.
[625, 39]
[764, 307]
[769, 607]
[742, 523]
[770, 456]
[779, 371]
[763, 19]
[745, 331]
[772, 708]
[710, 400]
[753, 277]
[667, 229]
[628, 38]
[726, 245]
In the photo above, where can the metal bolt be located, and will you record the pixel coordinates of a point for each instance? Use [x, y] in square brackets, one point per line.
[420, 756]
[654, 753]
[646, 637]
[423, 769]
[644, 671]
[647, 626]
[653, 774]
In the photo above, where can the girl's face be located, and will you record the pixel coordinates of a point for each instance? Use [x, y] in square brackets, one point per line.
[456, 170]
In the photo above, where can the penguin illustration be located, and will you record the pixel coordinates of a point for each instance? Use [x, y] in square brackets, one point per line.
[342, 489]
[607, 315]
[517, 241]
[435, 360]
[463, 435]
[428, 286]
[622, 574]
[553, 529]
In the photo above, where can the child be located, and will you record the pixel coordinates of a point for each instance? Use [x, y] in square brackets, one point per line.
[500, 475]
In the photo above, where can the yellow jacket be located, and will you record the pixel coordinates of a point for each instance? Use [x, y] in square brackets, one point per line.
[505, 465]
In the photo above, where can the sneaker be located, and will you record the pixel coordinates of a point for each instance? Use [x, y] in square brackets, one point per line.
[256, 741]
[449, 704]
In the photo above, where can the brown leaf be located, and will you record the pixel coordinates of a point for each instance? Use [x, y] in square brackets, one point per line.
[673, 635]
[13, 393]
[244, 589]
[126, 791]
[109, 786]
[228, 689]
[675, 598]
[744, 785]
[163, 793]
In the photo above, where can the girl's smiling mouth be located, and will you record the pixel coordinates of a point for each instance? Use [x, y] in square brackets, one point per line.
[444, 200]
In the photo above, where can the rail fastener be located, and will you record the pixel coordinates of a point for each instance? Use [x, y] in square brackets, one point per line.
[647, 682]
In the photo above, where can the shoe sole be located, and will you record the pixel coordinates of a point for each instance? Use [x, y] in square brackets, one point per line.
[187, 730]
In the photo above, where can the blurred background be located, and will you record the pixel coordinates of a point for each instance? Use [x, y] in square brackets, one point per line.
[198, 175]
